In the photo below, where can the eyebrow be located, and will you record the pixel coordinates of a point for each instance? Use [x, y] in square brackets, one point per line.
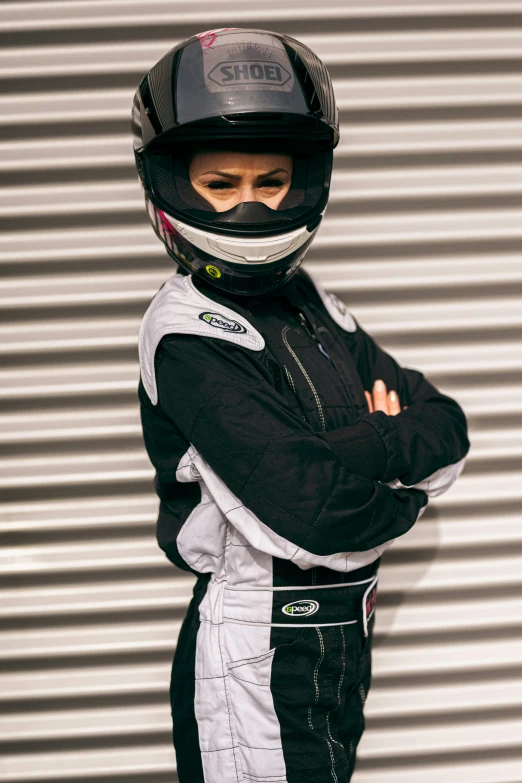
[274, 171]
[238, 176]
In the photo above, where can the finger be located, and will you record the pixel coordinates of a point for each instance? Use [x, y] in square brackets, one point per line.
[369, 400]
[380, 397]
[394, 405]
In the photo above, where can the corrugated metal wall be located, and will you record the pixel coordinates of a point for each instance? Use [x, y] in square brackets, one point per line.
[423, 239]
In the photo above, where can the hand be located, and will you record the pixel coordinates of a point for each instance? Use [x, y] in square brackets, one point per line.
[382, 400]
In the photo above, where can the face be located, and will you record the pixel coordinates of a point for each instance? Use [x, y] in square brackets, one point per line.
[228, 178]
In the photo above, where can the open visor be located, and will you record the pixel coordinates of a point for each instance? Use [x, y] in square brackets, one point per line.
[303, 205]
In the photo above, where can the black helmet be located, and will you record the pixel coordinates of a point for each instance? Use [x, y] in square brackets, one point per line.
[236, 89]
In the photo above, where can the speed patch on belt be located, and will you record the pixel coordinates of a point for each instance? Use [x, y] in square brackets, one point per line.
[303, 608]
[316, 605]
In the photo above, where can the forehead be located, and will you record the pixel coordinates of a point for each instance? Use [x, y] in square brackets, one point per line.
[239, 159]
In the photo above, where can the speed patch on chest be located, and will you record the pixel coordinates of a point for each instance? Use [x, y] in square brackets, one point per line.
[219, 321]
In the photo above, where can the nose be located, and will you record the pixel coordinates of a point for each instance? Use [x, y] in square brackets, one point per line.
[246, 193]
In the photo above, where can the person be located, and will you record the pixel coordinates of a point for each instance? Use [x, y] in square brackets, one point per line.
[289, 449]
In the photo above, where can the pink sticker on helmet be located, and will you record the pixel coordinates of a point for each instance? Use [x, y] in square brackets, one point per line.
[208, 38]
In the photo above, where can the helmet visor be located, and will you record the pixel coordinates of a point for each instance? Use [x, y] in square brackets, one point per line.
[173, 191]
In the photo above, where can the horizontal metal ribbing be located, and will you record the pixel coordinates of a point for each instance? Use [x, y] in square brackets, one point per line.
[423, 242]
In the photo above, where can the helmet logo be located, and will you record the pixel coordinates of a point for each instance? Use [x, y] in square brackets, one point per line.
[239, 60]
[248, 72]
[302, 608]
[220, 322]
[213, 271]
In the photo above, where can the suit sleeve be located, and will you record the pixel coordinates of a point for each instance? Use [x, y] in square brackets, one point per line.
[424, 446]
[224, 403]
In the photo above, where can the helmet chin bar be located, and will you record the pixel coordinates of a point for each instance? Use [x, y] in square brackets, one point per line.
[251, 212]
[258, 250]
[245, 266]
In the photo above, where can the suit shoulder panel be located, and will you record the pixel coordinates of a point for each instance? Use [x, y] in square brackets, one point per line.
[337, 310]
[179, 308]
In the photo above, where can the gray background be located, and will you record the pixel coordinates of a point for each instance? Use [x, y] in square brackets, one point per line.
[422, 239]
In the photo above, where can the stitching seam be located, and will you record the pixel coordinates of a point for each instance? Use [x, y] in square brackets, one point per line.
[228, 703]
[301, 367]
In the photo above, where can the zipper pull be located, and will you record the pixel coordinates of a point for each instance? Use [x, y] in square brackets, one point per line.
[308, 326]
[310, 330]
[323, 350]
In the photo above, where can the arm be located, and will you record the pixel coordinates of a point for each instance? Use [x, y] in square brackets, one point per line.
[165, 447]
[423, 446]
[296, 490]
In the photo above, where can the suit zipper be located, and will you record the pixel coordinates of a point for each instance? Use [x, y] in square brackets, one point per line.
[303, 370]
[292, 386]
[310, 329]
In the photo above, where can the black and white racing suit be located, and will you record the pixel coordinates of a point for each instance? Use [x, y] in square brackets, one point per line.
[280, 491]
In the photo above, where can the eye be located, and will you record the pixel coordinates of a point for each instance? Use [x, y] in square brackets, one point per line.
[219, 185]
[271, 183]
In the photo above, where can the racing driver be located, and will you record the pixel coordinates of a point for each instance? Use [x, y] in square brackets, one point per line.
[289, 449]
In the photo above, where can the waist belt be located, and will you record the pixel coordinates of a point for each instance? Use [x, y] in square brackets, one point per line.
[337, 604]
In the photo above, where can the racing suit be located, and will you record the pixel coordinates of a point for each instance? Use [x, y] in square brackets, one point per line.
[280, 491]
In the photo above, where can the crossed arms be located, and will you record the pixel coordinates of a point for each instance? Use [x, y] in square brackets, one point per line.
[303, 487]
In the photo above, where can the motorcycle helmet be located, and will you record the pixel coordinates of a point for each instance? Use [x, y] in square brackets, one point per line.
[236, 89]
